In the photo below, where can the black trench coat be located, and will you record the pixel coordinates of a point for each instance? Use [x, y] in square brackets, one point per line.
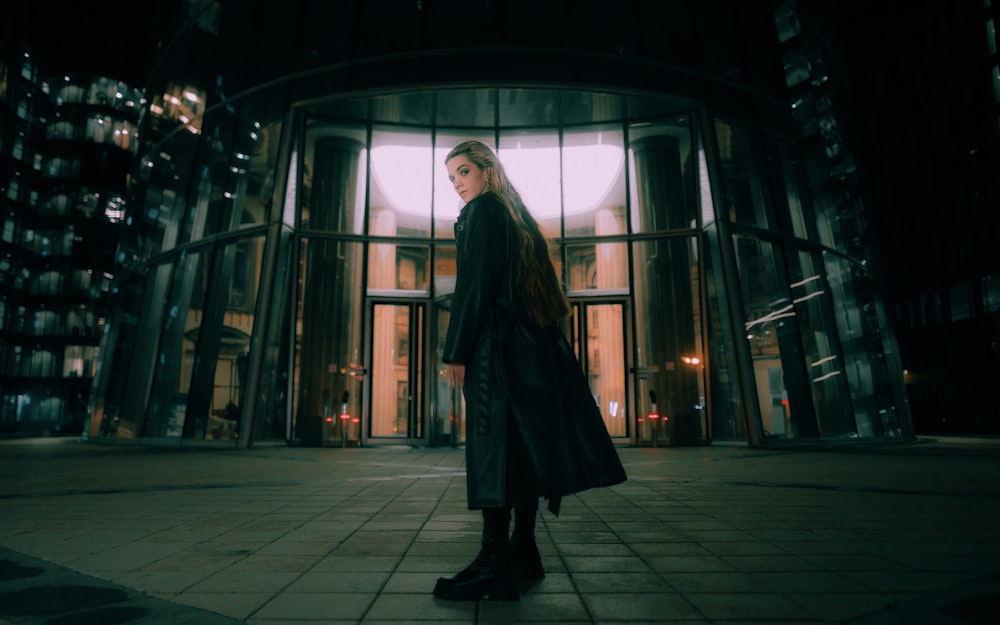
[518, 373]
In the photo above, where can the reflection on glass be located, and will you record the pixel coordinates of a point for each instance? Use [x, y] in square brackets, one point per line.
[201, 371]
[820, 345]
[467, 107]
[728, 410]
[134, 347]
[328, 340]
[872, 393]
[787, 180]
[581, 108]
[600, 341]
[398, 268]
[175, 362]
[669, 343]
[333, 172]
[449, 403]
[445, 269]
[597, 267]
[665, 176]
[783, 387]
[739, 202]
[256, 168]
[393, 390]
[232, 347]
[271, 410]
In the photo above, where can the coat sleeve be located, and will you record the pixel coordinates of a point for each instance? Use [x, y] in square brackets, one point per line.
[481, 263]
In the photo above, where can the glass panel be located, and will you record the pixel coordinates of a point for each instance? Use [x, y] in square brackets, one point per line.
[394, 267]
[670, 365]
[960, 301]
[991, 293]
[861, 324]
[820, 345]
[217, 195]
[239, 278]
[796, 63]
[135, 362]
[201, 370]
[333, 179]
[600, 339]
[445, 270]
[448, 402]
[531, 161]
[395, 356]
[593, 190]
[272, 409]
[783, 388]
[829, 220]
[727, 406]
[401, 181]
[467, 107]
[447, 204]
[788, 189]
[329, 355]
[408, 108]
[739, 203]
[161, 188]
[582, 108]
[255, 171]
[664, 194]
[642, 107]
[178, 339]
[597, 267]
[528, 107]
[786, 19]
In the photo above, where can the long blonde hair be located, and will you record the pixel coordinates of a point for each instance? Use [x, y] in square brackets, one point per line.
[541, 292]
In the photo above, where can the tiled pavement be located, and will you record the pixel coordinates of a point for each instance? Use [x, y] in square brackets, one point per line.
[873, 535]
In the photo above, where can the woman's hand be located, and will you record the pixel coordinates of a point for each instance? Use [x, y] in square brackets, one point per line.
[456, 373]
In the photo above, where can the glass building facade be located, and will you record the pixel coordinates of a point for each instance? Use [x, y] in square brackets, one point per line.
[289, 257]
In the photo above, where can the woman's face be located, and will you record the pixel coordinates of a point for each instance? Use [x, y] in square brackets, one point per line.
[468, 178]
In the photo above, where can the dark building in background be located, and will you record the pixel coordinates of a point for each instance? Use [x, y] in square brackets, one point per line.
[925, 99]
[920, 85]
[67, 150]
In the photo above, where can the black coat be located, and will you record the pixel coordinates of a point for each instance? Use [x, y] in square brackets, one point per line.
[518, 372]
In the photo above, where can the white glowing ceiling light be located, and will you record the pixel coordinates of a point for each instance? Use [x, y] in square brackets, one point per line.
[403, 172]
[589, 171]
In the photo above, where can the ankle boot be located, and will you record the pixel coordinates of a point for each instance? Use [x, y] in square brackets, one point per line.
[524, 556]
[490, 574]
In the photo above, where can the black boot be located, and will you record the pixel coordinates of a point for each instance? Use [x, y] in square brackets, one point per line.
[490, 574]
[524, 556]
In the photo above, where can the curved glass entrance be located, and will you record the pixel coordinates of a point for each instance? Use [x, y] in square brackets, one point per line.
[619, 198]
[710, 299]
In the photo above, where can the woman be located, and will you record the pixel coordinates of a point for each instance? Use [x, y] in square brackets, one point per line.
[533, 429]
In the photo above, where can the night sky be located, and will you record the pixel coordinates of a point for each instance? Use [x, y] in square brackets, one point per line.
[83, 36]
[921, 95]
